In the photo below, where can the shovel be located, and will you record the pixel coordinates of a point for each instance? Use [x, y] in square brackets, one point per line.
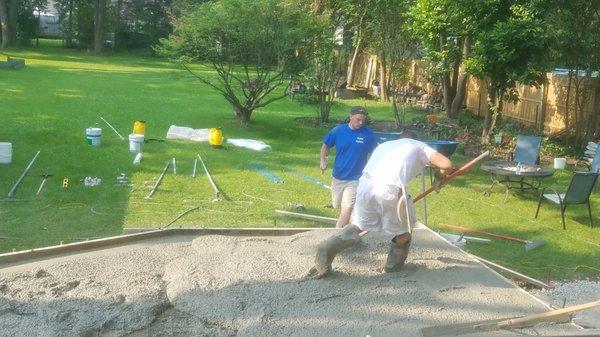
[529, 244]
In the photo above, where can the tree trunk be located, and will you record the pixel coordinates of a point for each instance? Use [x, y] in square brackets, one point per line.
[567, 102]
[99, 9]
[353, 61]
[12, 21]
[489, 116]
[461, 82]
[4, 23]
[117, 24]
[592, 131]
[383, 88]
[8, 22]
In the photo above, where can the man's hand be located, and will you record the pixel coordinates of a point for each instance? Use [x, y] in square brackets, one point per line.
[440, 177]
[323, 165]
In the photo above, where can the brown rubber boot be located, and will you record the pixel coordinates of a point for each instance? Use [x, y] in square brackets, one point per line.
[328, 249]
[397, 255]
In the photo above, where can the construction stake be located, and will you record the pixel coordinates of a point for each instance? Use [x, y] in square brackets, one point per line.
[115, 130]
[14, 188]
[212, 183]
[158, 181]
[194, 170]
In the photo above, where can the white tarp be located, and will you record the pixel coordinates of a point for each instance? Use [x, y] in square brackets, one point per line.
[252, 144]
[183, 132]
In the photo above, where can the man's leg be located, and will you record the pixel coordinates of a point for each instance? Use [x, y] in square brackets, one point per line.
[348, 198]
[398, 220]
[328, 249]
[397, 253]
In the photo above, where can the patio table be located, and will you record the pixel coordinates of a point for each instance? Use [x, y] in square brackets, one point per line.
[506, 172]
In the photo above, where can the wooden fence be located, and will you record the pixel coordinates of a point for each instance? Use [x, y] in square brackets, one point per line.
[543, 108]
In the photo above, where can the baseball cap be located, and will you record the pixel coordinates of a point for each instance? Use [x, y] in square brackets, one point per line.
[358, 110]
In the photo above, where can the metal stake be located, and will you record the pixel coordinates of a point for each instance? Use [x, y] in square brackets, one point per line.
[174, 166]
[14, 188]
[194, 170]
[158, 181]
[117, 132]
[212, 183]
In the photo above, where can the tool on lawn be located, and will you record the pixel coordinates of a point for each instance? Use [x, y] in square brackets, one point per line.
[174, 166]
[18, 182]
[179, 216]
[529, 244]
[162, 174]
[212, 183]
[468, 166]
[194, 169]
[65, 183]
[110, 126]
[45, 177]
[558, 315]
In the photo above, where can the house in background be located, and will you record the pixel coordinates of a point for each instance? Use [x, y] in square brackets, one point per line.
[49, 25]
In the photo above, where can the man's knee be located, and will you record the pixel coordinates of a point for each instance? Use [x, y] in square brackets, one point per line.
[402, 238]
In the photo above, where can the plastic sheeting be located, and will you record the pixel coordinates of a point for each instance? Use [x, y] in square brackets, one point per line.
[186, 133]
[252, 144]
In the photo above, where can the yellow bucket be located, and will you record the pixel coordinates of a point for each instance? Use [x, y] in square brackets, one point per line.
[139, 127]
[215, 137]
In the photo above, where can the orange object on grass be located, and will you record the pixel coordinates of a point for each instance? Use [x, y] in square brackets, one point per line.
[432, 118]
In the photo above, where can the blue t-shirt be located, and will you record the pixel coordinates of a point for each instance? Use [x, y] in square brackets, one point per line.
[352, 150]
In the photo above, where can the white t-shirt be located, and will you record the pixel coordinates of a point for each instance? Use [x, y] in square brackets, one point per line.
[397, 162]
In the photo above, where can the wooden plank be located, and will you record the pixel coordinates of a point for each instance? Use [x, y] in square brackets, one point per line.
[316, 218]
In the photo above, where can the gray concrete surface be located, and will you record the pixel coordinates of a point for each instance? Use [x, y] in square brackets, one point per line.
[255, 286]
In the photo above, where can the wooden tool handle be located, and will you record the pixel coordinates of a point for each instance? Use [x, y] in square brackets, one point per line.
[454, 174]
[473, 230]
[545, 316]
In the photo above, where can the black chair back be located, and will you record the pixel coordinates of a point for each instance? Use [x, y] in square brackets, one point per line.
[580, 188]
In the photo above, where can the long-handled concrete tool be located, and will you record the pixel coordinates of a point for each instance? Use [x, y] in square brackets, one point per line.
[529, 244]
[559, 315]
[18, 182]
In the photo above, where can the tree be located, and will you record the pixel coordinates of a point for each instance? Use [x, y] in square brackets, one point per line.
[77, 22]
[389, 36]
[99, 19]
[254, 46]
[577, 48]
[511, 49]
[8, 22]
[446, 29]
[323, 73]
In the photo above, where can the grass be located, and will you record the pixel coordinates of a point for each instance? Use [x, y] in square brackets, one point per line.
[48, 105]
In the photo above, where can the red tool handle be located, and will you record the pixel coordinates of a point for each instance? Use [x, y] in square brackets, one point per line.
[454, 174]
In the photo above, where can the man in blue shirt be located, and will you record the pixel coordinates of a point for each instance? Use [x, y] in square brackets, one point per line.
[353, 143]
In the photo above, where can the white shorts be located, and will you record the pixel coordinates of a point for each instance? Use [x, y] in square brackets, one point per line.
[343, 192]
[376, 209]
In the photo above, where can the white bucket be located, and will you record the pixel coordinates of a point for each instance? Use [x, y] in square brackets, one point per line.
[560, 163]
[93, 136]
[136, 143]
[5, 153]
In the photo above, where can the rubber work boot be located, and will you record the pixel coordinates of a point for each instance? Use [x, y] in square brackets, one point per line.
[328, 249]
[397, 254]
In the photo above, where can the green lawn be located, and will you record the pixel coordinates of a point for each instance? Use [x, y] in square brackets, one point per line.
[48, 105]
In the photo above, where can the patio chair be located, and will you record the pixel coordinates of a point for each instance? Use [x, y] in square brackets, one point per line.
[578, 192]
[527, 150]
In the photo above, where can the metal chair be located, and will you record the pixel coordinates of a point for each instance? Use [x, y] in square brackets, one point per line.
[527, 150]
[578, 192]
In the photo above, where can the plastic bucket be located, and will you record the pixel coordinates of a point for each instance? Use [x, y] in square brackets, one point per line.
[136, 143]
[93, 136]
[560, 163]
[139, 127]
[5, 153]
